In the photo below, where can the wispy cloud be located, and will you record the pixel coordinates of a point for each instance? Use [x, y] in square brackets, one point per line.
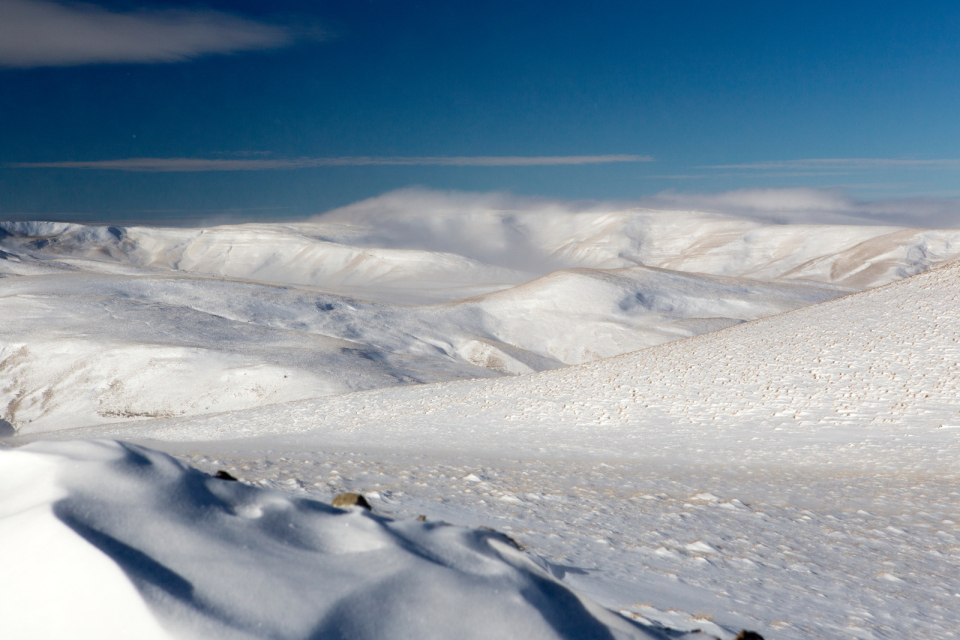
[37, 33]
[259, 164]
[727, 174]
[838, 164]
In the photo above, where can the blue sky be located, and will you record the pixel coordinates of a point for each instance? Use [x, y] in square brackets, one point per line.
[289, 108]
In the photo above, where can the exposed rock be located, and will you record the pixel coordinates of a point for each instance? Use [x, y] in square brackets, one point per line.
[748, 635]
[351, 500]
[223, 475]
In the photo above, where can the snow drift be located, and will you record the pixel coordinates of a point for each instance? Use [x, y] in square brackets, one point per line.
[109, 540]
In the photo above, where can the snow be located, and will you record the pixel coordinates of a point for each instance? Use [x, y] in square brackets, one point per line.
[817, 430]
[739, 444]
[139, 323]
[879, 369]
[172, 552]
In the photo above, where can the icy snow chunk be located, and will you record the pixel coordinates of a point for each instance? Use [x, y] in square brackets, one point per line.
[706, 497]
[701, 547]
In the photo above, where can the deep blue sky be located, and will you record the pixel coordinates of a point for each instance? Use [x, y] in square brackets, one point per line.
[694, 84]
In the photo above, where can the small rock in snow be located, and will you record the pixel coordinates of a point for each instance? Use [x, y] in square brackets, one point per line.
[344, 500]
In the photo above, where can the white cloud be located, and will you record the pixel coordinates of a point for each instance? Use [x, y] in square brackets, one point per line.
[839, 164]
[533, 234]
[37, 33]
[815, 206]
[202, 164]
[422, 208]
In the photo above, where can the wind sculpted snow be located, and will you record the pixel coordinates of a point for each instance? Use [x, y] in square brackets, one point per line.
[105, 540]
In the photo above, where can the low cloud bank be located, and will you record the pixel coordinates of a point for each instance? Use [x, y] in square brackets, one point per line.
[539, 235]
[786, 206]
[38, 33]
[815, 206]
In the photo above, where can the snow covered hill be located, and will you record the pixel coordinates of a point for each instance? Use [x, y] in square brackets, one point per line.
[88, 348]
[440, 247]
[883, 364]
[111, 324]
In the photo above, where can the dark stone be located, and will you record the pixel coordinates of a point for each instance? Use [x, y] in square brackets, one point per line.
[351, 500]
[223, 475]
[748, 635]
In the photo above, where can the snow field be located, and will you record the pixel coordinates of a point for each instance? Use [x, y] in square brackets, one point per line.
[790, 552]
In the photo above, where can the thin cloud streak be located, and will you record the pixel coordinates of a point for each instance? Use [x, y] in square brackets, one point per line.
[159, 165]
[40, 33]
[838, 163]
[772, 174]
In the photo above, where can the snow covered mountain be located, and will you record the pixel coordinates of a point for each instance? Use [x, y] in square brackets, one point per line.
[111, 324]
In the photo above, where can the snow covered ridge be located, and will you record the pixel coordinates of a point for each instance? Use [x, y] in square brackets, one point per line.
[117, 324]
[446, 243]
[107, 540]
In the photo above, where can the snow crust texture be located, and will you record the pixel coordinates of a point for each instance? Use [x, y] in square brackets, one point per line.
[105, 540]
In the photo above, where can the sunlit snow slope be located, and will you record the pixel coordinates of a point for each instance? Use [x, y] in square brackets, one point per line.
[106, 324]
[853, 379]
